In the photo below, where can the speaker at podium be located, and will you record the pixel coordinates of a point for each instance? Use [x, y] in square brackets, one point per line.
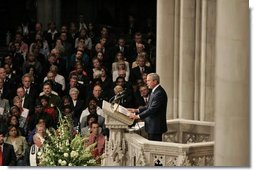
[117, 112]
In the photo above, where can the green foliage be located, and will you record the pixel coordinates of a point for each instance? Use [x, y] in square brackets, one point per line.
[62, 148]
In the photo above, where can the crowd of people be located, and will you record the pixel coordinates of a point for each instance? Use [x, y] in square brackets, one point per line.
[51, 73]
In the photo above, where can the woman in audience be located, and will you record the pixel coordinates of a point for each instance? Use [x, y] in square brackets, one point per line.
[121, 71]
[14, 121]
[96, 68]
[17, 111]
[19, 144]
[85, 131]
[87, 40]
[120, 58]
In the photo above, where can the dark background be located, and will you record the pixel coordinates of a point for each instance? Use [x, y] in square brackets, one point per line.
[109, 12]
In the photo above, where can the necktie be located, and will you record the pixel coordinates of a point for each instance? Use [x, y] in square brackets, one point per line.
[145, 100]
[26, 91]
[0, 94]
[1, 156]
[142, 69]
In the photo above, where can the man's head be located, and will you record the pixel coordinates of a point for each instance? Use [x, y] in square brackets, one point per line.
[144, 90]
[79, 54]
[92, 109]
[26, 80]
[73, 81]
[141, 61]
[67, 110]
[47, 89]
[37, 140]
[97, 91]
[2, 73]
[21, 92]
[120, 81]
[98, 47]
[51, 76]
[121, 42]
[118, 89]
[153, 80]
[138, 38]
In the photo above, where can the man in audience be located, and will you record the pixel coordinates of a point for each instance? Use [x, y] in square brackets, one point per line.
[7, 154]
[34, 153]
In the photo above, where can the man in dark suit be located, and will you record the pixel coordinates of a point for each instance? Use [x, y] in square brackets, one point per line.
[136, 73]
[154, 113]
[27, 102]
[7, 154]
[29, 88]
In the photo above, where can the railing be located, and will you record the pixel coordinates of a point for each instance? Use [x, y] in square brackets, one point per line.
[142, 152]
[186, 143]
[189, 143]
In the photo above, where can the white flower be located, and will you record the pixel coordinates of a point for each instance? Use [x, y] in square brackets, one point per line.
[74, 154]
[66, 155]
[67, 143]
[59, 161]
[51, 163]
[63, 163]
[39, 153]
[70, 164]
[91, 161]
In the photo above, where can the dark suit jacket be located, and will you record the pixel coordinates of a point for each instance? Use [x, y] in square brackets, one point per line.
[77, 110]
[9, 157]
[154, 113]
[136, 74]
[29, 104]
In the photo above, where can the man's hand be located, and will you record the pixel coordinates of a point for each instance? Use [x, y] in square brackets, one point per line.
[132, 110]
[134, 116]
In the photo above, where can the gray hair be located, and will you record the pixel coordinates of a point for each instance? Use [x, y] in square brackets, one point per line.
[75, 90]
[155, 77]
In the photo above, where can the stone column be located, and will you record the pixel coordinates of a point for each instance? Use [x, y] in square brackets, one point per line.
[187, 59]
[165, 50]
[232, 93]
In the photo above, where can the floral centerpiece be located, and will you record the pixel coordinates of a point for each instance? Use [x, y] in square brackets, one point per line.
[64, 148]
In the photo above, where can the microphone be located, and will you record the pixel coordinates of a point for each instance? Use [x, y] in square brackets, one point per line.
[118, 96]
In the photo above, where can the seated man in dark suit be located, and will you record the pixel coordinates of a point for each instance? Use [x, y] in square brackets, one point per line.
[154, 113]
[7, 154]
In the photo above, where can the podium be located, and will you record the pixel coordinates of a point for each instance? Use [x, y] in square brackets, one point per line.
[117, 121]
[117, 112]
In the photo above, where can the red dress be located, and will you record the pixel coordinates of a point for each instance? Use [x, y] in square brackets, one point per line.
[99, 149]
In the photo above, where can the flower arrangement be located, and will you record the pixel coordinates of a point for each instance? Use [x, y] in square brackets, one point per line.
[63, 148]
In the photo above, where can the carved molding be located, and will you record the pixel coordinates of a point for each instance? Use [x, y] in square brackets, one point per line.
[203, 161]
[170, 137]
[117, 150]
[141, 161]
[195, 137]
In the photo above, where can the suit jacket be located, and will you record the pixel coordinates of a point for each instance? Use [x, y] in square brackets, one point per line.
[9, 157]
[136, 73]
[4, 103]
[154, 113]
[77, 110]
[29, 104]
